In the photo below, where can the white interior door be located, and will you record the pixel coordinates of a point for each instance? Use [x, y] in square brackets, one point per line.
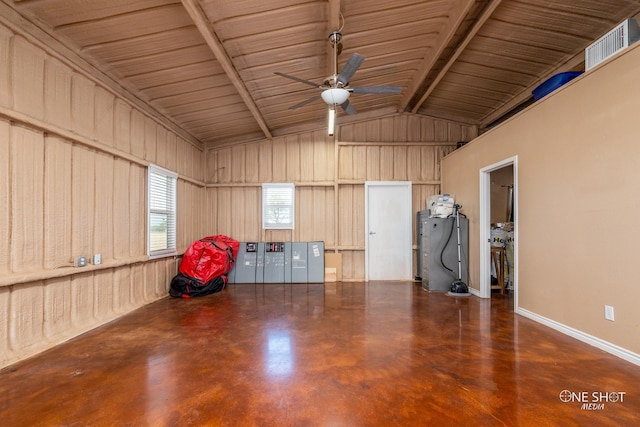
[388, 224]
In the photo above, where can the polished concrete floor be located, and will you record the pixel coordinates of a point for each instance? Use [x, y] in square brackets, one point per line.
[352, 354]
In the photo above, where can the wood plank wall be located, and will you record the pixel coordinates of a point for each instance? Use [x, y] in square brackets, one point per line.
[329, 176]
[73, 158]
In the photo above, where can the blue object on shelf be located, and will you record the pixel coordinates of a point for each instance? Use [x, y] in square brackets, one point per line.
[553, 83]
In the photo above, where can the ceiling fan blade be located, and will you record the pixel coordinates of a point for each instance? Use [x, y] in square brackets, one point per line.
[298, 79]
[305, 102]
[348, 107]
[377, 89]
[353, 63]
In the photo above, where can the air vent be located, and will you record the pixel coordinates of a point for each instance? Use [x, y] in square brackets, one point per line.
[616, 40]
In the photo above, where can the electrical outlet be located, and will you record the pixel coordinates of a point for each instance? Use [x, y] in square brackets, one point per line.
[608, 313]
[97, 259]
[82, 261]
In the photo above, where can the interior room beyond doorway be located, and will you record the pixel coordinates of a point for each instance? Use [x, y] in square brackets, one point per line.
[502, 230]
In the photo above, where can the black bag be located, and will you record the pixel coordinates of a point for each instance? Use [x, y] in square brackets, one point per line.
[186, 287]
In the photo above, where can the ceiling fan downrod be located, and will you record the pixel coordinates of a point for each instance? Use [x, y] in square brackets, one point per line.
[335, 38]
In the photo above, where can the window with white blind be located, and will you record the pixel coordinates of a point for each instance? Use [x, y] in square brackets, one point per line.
[161, 196]
[278, 206]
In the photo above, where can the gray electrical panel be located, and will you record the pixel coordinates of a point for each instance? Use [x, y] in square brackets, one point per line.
[279, 262]
[438, 251]
[299, 260]
[274, 257]
[260, 264]
[287, 262]
[315, 262]
[307, 262]
[244, 270]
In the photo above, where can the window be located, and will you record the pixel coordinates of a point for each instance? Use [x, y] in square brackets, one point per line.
[278, 203]
[161, 239]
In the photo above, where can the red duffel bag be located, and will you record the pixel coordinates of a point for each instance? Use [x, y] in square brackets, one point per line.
[209, 258]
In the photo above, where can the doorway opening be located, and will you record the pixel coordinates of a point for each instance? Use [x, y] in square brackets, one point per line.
[499, 228]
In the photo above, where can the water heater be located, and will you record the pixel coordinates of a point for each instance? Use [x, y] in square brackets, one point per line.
[438, 251]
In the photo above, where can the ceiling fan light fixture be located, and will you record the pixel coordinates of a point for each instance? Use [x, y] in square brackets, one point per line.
[335, 96]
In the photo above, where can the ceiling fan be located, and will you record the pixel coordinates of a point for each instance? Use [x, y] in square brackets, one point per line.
[336, 89]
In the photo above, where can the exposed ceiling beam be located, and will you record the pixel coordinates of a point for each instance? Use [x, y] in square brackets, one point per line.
[525, 94]
[202, 23]
[458, 14]
[486, 14]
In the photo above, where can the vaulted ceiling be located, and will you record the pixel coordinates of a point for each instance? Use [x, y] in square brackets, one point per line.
[209, 65]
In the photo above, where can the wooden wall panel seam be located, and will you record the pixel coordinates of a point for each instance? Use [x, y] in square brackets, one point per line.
[259, 184]
[49, 129]
[395, 144]
[192, 181]
[21, 278]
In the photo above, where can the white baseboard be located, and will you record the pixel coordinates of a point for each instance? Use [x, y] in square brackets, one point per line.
[579, 335]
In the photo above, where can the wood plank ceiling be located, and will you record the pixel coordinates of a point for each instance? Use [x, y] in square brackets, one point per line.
[208, 65]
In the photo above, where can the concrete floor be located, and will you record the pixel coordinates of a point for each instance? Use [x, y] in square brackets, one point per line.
[346, 354]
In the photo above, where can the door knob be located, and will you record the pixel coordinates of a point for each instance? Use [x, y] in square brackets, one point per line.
[372, 232]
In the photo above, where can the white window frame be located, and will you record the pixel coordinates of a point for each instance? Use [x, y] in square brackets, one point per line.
[266, 207]
[169, 211]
